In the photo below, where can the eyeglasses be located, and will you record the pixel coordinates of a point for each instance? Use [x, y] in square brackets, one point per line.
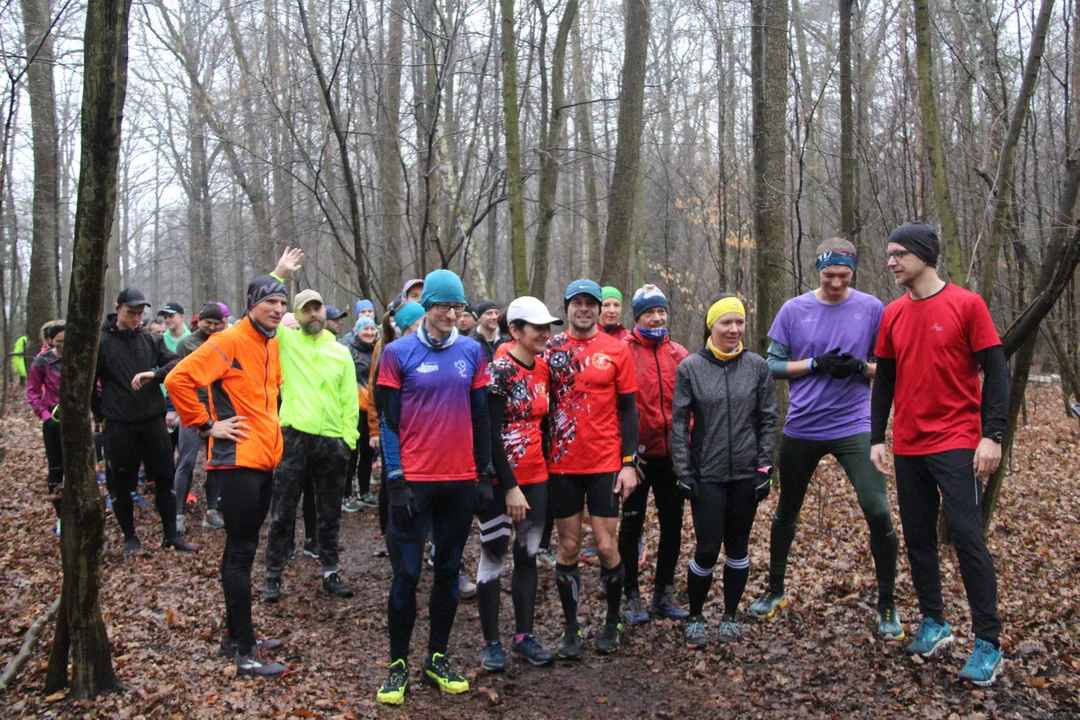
[444, 308]
[897, 255]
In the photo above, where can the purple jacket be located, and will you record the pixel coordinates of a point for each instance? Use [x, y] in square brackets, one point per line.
[43, 384]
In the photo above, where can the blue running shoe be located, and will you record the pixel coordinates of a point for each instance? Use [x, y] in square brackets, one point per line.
[139, 500]
[589, 556]
[889, 626]
[108, 502]
[984, 665]
[493, 659]
[635, 610]
[930, 638]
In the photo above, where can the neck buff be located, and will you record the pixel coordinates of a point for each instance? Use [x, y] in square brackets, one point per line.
[654, 334]
[260, 328]
[437, 344]
[834, 257]
[720, 354]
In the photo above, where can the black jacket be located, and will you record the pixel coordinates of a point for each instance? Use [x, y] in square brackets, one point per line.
[122, 355]
[361, 354]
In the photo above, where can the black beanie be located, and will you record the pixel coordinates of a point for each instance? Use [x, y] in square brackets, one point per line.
[264, 287]
[919, 238]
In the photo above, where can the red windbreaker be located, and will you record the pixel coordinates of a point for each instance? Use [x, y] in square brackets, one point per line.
[654, 364]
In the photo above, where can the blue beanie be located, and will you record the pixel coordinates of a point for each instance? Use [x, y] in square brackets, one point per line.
[409, 313]
[442, 286]
[363, 305]
[647, 297]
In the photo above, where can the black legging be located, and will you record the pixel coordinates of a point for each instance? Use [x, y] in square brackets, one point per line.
[723, 516]
[669, 508]
[360, 461]
[54, 454]
[244, 503]
[128, 445]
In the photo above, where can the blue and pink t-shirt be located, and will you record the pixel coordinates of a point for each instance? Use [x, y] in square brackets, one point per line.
[436, 431]
[823, 407]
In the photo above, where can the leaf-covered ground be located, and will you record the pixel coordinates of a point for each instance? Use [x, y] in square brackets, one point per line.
[818, 658]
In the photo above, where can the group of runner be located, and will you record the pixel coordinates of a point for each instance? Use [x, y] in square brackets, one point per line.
[468, 411]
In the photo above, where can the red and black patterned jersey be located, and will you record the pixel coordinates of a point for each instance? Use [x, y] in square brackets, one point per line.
[587, 376]
[526, 393]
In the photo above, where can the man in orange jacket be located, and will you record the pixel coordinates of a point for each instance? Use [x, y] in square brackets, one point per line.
[656, 357]
[240, 366]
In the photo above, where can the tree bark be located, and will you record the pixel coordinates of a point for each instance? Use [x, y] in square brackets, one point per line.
[587, 148]
[391, 178]
[549, 171]
[624, 180]
[41, 291]
[951, 251]
[80, 629]
[512, 130]
[1001, 195]
[847, 129]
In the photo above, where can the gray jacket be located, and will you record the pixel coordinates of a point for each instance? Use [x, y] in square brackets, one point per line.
[733, 405]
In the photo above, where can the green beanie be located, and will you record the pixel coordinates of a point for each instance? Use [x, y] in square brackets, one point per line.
[610, 292]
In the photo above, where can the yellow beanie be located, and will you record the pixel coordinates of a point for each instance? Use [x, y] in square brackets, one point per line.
[721, 307]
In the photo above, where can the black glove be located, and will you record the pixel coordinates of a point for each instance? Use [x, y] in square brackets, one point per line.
[847, 366]
[403, 508]
[762, 485]
[485, 492]
[825, 363]
[688, 487]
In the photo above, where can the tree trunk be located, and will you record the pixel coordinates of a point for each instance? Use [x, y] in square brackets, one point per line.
[512, 129]
[80, 629]
[624, 179]
[1001, 195]
[41, 297]
[586, 146]
[951, 251]
[391, 178]
[549, 171]
[847, 129]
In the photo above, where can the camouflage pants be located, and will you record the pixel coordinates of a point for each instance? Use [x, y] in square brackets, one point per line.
[324, 460]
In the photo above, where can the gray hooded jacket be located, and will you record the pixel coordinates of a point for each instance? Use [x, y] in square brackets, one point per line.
[733, 405]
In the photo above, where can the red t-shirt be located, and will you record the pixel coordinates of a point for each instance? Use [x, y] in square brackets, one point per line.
[587, 376]
[938, 395]
[526, 393]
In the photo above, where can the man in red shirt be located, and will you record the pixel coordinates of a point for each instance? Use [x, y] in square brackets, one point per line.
[946, 435]
[594, 451]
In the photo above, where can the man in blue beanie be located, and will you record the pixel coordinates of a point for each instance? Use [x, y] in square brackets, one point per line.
[436, 444]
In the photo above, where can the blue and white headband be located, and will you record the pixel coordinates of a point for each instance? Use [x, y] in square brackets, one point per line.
[835, 257]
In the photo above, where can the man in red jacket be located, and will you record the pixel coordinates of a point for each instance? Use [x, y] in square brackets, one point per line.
[655, 358]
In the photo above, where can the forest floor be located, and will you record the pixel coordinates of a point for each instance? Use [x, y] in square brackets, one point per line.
[818, 658]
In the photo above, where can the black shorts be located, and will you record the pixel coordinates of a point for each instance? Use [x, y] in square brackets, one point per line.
[568, 495]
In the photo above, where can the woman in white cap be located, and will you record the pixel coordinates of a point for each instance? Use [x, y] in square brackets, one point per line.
[518, 411]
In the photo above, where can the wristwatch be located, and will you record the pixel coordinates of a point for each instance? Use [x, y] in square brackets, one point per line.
[997, 437]
[206, 426]
[629, 461]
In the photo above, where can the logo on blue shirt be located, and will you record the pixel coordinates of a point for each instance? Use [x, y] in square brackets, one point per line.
[428, 367]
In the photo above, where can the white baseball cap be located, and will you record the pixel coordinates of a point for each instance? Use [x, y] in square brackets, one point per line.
[532, 311]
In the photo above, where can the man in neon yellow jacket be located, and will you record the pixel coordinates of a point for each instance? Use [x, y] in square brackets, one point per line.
[319, 417]
[18, 360]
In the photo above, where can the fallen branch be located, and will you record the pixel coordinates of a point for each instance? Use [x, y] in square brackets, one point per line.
[29, 641]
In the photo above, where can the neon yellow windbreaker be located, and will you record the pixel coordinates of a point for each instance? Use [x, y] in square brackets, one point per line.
[318, 385]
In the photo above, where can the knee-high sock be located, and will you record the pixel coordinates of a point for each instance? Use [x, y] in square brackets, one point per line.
[568, 580]
[698, 582]
[735, 574]
[612, 580]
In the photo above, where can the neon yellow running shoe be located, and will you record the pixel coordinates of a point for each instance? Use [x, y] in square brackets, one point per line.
[392, 691]
[439, 673]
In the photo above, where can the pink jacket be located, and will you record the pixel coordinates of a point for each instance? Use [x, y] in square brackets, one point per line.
[43, 384]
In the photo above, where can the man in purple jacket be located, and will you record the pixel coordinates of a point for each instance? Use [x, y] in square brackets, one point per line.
[43, 395]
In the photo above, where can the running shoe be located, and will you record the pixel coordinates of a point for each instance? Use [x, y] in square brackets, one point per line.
[332, 584]
[663, 604]
[380, 549]
[545, 559]
[213, 520]
[696, 635]
[191, 499]
[259, 663]
[350, 505]
[930, 638]
[984, 665]
[634, 610]
[228, 645]
[100, 477]
[589, 557]
[466, 587]
[132, 545]
[108, 502]
[768, 605]
[729, 631]
[431, 556]
[181, 526]
[570, 649]
[179, 544]
[272, 590]
[392, 692]
[57, 528]
[889, 626]
[139, 500]
[368, 500]
[641, 553]
[528, 647]
[311, 549]
[494, 659]
[610, 638]
[438, 672]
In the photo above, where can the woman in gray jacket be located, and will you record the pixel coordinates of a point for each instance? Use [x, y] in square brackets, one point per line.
[724, 464]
